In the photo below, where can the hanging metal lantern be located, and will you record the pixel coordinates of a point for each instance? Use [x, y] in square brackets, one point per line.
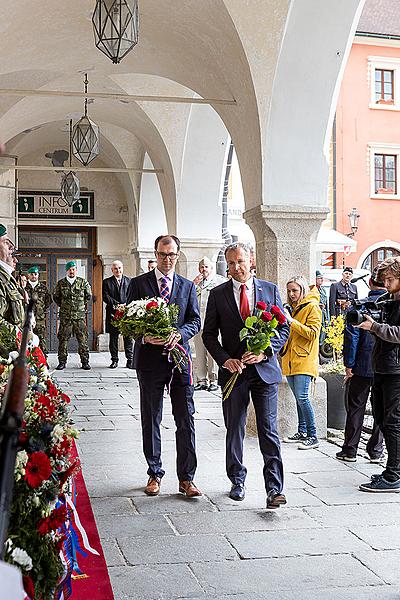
[85, 137]
[116, 27]
[70, 188]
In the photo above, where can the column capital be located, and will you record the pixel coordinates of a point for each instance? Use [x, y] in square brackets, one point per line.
[275, 217]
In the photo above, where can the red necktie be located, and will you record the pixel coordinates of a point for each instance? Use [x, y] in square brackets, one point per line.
[244, 303]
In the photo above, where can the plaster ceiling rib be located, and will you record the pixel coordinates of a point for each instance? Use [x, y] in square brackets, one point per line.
[117, 96]
[84, 169]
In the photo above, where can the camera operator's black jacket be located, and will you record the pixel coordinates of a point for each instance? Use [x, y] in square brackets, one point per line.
[358, 345]
[386, 353]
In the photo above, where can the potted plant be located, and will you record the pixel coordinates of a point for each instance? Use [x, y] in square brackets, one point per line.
[333, 373]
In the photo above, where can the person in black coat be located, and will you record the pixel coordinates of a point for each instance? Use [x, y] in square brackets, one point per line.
[115, 289]
[357, 353]
[342, 293]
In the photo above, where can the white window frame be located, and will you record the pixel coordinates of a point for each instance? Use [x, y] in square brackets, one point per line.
[391, 64]
[378, 148]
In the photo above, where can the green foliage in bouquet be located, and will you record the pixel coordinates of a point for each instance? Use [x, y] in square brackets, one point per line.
[7, 341]
[147, 317]
[258, 333]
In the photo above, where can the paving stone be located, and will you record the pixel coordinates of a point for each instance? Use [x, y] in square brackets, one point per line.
[359, 516]
[112, 506]
[243, 520]
[112, 554]
[176, 549]
[133, 526]
[154, 583]
[333, 479]
[264, 544]
[382, 537]
[352, 495]
[384, 564]
[278, 574]
[171, 504]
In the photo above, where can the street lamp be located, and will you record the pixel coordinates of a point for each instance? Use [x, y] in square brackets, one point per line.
[353, 220]
[85, 136]
[116, 27]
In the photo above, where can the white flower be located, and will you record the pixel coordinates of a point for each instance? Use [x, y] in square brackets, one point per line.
[22, 558]
[13, 356]
[141, 312]
[58, 433]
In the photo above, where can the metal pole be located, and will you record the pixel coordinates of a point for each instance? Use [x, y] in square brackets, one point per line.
[226, 236]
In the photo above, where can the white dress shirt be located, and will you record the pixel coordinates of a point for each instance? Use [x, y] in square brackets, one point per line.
[8, 268]
[169, 277]
[249, 292]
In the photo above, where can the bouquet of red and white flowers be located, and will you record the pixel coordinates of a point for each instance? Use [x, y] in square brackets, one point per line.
[257, 331]
[151, 317]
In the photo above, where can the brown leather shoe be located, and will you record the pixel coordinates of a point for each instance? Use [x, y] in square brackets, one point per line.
[188, 488]
[153, 486]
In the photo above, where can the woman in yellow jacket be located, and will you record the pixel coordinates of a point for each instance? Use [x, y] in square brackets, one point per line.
[300, 356]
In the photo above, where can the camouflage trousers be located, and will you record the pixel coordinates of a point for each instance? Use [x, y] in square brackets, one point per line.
[41, 331]
[68, 329]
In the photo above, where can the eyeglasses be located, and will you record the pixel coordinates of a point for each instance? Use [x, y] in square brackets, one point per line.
[171, 255]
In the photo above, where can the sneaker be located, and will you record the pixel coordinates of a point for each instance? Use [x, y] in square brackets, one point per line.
[308, 443]
[376, 459]
[200, 387]
[343, 456]
[381, 485]
[213, 387]
[297, 437]
[376, 476]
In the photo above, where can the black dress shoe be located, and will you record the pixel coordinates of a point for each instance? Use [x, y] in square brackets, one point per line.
[129, 364]
[114, 364]
[86, 367]
[237, 492]
[213, 387]
[60, 366]
[275, 499]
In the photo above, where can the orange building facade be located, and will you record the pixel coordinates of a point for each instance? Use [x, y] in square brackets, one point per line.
[366, 162]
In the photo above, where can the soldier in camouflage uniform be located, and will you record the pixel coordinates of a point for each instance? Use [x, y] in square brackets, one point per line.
[11, 304]
[41, 294]
[72, 295]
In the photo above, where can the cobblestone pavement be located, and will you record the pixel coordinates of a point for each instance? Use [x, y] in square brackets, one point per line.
[331, 541]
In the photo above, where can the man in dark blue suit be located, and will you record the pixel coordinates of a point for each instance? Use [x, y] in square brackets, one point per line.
[228, 306]
[155, 372]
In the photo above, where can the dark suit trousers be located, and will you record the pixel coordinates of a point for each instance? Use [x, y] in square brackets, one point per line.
[265, 401]
[128, 345]
[152, 384]
[386, 409]
[357, 397]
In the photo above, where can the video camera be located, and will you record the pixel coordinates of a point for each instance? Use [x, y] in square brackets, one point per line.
[376, 309]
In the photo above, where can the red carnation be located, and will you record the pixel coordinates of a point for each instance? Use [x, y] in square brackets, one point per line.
[118, 314]
[276, 310]
[152, 304]
[72, 469]
[65, 398]
[29, 586]
[266, 316]
[38, 469]
[44, 407]
[51, 389]
[281, 318]
[38, 356]
[261, 305]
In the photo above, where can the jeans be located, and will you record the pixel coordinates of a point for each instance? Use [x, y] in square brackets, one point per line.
[300, 386]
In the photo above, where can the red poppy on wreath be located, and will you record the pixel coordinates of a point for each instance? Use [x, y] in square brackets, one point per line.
[261, 305]
[38, 469]
[29, 586]
[266, 316]
[152, 304]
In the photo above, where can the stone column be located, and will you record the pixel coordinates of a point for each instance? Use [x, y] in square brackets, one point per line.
[192, 251]
[140, 258]
[285, 237]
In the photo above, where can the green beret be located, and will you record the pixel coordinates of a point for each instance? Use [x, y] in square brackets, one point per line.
[70, 263]
[3, 230]
[34, 269]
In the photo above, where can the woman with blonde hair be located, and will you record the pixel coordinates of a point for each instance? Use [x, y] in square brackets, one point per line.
[300, 355]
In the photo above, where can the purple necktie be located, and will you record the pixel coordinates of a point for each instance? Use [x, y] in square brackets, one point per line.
[164, 289]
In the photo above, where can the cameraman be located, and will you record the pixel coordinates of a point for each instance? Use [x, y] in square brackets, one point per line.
[357, 351]
[386, 381]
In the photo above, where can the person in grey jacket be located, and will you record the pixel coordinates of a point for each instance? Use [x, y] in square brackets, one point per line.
[386, 381]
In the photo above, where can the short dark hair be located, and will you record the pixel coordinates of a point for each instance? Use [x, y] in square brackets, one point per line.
[166, 239]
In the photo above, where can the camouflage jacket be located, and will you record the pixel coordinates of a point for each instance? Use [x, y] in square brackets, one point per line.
[43, 299]
[11, 303]
[72, 299]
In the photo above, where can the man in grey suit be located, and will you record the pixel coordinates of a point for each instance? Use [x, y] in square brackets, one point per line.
[115, 290]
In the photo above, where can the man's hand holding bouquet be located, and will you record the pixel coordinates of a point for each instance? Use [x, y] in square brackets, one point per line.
[155, 321]
[257, 332]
